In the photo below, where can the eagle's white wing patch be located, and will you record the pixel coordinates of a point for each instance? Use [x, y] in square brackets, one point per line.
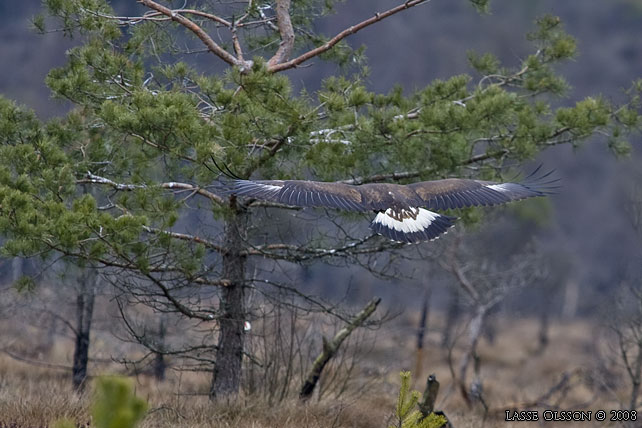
[502, 187]
[257, 190]
[411, 225]
[249, 185]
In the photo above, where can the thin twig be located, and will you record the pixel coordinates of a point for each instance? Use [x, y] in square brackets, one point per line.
[199, 32]
[172, 185]
[342, 35]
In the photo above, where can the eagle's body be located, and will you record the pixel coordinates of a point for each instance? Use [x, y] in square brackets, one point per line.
[403, 211]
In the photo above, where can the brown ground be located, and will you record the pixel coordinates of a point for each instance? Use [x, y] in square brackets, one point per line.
[514, 373]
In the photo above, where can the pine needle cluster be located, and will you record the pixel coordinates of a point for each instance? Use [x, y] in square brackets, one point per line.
[406, 413]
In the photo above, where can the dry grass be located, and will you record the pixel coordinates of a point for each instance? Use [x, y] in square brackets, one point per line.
[35, 397]
[513, 374]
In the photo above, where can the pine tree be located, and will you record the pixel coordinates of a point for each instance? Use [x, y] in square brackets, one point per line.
[406, 413]
[151, 125]
[114, 405]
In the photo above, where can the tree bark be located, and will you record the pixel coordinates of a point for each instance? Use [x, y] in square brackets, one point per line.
[331, 348]
[84, 313]
[474, 331]
[226, 378]
[159, 357]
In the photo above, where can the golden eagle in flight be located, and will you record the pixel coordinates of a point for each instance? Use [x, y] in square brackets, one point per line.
[403, 211]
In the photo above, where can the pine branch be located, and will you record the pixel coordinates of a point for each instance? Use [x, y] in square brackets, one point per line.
[202, 14]
[130, 265]
[153, 16]
[342, 35]
[297, 253]
[211, 45]
[173, 185]
[186, 237]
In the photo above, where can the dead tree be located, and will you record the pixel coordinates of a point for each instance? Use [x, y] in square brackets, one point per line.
[85, 298]
[330, 348]
[160, 365]
[626, 322]
[421, 333]
[628, 332]
[485, 284]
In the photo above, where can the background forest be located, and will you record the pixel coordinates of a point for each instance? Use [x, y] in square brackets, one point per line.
[121, 254]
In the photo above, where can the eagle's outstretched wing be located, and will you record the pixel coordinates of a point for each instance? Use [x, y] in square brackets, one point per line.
[402, 210]
[455, 193]
[304, 193]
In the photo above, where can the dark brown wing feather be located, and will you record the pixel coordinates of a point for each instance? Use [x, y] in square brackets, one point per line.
[304, 193]
[437, 195]
[454, 193]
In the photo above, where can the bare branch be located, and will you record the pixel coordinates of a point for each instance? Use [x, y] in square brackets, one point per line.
[287, 33]
[342, 35]
[174, 301]
[186, 237]
[212, 46]
[238, 50]
[331, 348]
[384, 177]
[201, 14]
[452, 265]
[298, 253]
[266, 204]
[487, 155]
[96, 179]
[153, 16]
[268, 21]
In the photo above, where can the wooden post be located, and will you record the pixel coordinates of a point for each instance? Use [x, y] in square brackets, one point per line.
[427, 403]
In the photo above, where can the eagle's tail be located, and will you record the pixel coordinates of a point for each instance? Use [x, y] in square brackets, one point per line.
[411, 224]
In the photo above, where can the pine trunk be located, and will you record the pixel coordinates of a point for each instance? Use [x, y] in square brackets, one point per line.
[226, 378]
[84, 312]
